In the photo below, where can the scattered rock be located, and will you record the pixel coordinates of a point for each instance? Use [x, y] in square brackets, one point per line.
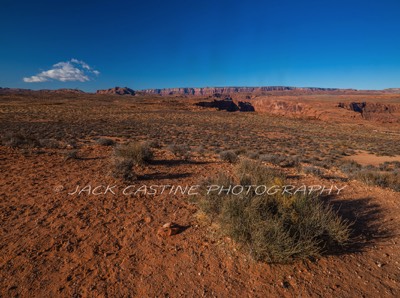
[169, 229]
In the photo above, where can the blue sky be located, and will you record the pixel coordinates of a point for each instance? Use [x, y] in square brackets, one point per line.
[155, 44]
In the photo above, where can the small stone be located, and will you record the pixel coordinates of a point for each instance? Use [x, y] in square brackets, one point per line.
[168, 229]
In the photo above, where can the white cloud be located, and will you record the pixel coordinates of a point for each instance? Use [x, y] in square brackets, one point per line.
[69, 71]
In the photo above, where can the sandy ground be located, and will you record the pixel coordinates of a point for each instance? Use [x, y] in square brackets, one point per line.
[365, 158]
[56, 244]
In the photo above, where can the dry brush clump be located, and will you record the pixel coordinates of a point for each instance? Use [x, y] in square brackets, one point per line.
[229, 156]
[126, 156]
[387, 175]
[180, 150]
[138, 153]
[275, 227]
[19, 140]
[105, 142]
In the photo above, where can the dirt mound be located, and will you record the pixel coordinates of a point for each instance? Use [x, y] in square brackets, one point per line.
[117, 91]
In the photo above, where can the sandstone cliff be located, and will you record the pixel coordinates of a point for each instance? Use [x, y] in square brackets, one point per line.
[207, 91]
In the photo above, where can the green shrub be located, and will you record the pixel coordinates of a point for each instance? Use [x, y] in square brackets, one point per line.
[251, 172]
[276, 228]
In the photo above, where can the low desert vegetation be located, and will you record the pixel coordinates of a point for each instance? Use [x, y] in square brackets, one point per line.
[122, 168]
[180, 150]
[105, 142]
[276, 228]
[128, 155]
[71, 154]
[139, 153]
[387, 175]
[229, 156]
[18, 140]
[313, 171]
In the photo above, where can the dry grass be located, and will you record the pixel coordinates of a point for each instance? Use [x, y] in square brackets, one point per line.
[138, 153]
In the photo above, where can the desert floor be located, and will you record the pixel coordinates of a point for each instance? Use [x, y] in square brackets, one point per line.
[53, 243]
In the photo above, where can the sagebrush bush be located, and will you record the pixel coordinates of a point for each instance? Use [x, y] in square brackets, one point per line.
[138, 153]
[122, 169]
[105, 142]
[385, 179]
[50, 143]
[276, 228]
[386, 176]
[71, 154]
[349, 166]
[313, 171]
[229, 156]
[17, 140]
[181, 151]
[154, 144]
[253, 172]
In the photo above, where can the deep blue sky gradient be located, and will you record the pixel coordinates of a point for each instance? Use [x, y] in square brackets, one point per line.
[157, 44]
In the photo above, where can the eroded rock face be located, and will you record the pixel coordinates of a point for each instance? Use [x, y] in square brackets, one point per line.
[373, 111]
[117, 91]
[283, 107]
[245, 106]
[207, 91]
[227, 105]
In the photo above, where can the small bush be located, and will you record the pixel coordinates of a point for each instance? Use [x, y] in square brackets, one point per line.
[385, 180]
[122, 169]
[105, 142]
[250, 172]
[50, 143]
[181, 151]
[253, 155]
[154, 144]
[272, 158]
[349, 166]
[229, 156]
[17, 140]
[313, 171]
[71, 154]
[138, 153]
[276, 228]
[370, 175]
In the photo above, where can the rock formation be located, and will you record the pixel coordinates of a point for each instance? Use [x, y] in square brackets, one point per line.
[227, 105]
[117, 91]
[373, 111]
[207, 91]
